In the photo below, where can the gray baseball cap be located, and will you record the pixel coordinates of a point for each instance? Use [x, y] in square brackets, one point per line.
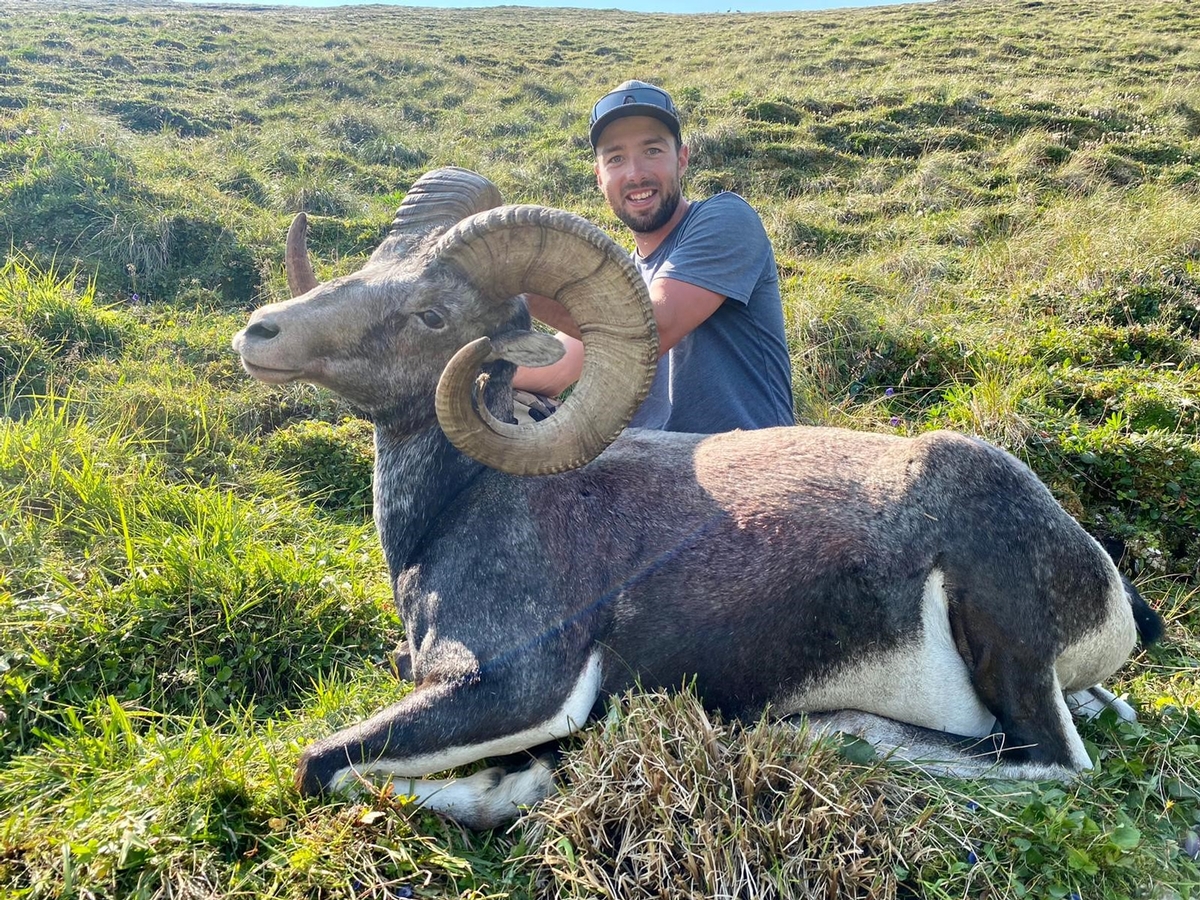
[633, 98]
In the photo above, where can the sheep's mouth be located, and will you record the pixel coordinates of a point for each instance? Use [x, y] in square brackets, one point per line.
[271, 376]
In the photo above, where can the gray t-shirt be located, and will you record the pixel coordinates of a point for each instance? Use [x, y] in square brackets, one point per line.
[733, 370]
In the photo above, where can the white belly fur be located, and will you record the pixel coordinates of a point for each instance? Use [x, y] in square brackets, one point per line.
[924, 682]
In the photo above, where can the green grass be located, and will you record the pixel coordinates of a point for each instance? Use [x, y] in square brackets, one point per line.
[986, 216]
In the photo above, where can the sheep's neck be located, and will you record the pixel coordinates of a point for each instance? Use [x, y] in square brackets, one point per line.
[416, 477]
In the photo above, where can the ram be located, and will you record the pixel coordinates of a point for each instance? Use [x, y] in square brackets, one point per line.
[924, 591]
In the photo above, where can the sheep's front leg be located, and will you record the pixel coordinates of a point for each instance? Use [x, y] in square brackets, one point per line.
[485, 799]
[444, 724]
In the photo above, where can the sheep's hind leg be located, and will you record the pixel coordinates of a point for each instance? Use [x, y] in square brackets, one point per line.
[942, 753]
[1032, 717]
[1091, 702]
[1016, 680]
[935, 752]
[1035, 738]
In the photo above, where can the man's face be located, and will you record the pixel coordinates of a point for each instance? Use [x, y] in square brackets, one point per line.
[640, 169]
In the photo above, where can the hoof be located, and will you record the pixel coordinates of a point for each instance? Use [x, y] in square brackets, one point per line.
[399, 662]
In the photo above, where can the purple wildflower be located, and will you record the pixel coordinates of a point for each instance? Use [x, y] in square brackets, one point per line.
[889, 392]
[894, 421]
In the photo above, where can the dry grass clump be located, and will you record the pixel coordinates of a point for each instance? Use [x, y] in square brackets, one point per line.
[666, 802]
[1034, 154]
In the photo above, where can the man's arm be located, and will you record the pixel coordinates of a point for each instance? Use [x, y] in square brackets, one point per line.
[553, 313]
[679, 308]
[552, 380]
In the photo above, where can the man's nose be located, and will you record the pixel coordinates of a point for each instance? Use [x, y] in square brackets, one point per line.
[636, 170]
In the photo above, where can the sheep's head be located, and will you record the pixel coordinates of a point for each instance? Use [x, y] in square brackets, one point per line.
[407, 335]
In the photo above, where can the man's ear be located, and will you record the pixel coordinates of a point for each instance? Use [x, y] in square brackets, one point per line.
[684, 154]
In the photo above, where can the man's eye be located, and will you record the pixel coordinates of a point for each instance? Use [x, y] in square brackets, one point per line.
[432, 319]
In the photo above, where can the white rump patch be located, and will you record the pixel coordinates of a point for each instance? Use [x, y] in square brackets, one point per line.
[1092, 657]
[570, 717]
[924, 682]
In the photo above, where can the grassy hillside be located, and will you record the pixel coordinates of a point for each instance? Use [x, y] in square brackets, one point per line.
[987, 217]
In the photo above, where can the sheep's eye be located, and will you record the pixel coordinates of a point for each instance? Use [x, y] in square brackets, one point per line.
[432, 319]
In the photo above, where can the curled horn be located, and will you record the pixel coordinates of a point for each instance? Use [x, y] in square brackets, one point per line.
[514, 249]
[437, 200]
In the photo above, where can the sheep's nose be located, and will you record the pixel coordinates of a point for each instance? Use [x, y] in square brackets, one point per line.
[262, 330]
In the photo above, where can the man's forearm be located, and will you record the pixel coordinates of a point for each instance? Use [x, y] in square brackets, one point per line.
[553, 313]
[552, 380]
[678, 308]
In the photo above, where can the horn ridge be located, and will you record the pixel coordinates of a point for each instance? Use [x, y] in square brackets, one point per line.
[442, 197]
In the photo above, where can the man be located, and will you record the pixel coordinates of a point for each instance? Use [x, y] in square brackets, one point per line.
[710, 271]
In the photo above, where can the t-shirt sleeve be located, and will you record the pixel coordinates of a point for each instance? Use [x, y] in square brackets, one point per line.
[723, 250]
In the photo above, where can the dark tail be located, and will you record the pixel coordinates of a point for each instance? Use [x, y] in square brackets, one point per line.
[1149, 623]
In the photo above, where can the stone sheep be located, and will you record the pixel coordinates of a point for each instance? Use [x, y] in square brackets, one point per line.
[926, 592]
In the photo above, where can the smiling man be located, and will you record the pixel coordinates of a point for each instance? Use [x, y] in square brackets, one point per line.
[710, 270]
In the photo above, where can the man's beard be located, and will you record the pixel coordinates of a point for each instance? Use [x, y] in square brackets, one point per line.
[656, 218]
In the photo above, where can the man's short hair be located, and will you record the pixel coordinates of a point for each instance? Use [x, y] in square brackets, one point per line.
[634, 98]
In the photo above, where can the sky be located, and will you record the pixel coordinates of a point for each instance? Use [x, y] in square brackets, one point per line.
[661, 6]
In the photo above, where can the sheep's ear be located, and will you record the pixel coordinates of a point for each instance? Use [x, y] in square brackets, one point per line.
[527, 348]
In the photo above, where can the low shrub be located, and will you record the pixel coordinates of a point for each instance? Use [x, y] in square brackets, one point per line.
[665, 795]
[1167, 399]
[1143, 487]
[332, 463]
[665, 800]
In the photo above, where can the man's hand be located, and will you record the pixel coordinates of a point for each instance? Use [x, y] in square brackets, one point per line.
[679, 307]
[555, 378]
